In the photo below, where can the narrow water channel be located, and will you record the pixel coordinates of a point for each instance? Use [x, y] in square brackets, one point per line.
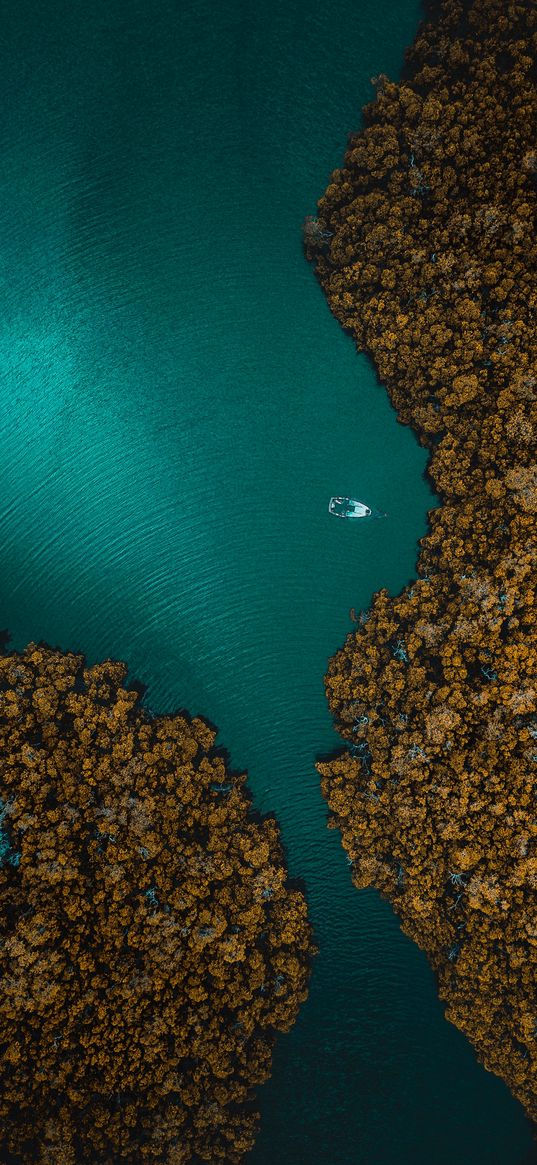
[178, 405]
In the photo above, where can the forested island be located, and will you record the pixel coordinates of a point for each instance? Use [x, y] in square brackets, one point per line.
[424, 245]
[151, 944]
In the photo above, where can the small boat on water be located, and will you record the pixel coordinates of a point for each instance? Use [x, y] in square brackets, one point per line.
[348, 508]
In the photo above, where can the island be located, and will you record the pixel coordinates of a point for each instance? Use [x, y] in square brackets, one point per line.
[151, 942]
[424, 245]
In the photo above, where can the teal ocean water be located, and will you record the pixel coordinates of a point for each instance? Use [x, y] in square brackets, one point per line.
[178, 404]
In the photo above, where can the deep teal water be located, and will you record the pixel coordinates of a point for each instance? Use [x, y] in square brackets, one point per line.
[178, 405]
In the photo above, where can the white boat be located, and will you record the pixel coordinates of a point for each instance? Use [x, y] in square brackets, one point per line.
[348, 508]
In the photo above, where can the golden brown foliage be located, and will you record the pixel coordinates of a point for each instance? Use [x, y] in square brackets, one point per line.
[150, 944]
[426, 251]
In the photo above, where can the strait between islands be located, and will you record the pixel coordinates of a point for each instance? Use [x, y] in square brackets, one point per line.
[150, 942]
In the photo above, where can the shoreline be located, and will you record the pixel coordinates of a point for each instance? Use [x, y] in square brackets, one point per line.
[427, 264]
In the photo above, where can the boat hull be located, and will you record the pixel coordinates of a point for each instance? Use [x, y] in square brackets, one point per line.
[349, 508]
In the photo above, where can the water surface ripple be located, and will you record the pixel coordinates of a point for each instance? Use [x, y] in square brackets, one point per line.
[178, 405]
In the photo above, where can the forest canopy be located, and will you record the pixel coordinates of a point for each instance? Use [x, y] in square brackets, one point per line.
[425, 247]
[151, 944]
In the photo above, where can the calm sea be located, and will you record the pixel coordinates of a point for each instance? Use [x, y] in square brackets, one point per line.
[178, 405]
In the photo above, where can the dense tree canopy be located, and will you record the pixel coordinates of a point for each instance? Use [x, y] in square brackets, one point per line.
[150, 943]
[425, 247]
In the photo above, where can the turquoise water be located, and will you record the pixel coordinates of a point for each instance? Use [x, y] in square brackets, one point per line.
[178, 406]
